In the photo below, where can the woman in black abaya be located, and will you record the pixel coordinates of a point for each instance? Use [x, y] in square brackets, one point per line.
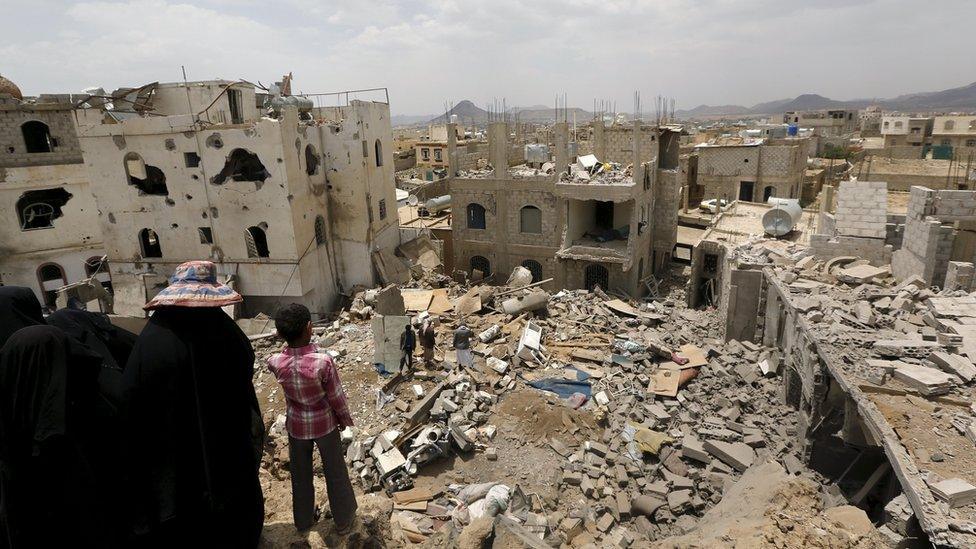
[47, 389]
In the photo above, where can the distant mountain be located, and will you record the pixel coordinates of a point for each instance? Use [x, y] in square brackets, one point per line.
[961, 98]
[468, 112]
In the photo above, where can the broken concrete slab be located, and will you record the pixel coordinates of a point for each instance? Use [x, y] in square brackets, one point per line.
[955, 491]
[737, 455]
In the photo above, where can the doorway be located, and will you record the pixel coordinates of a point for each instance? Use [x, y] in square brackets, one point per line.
[745, 190]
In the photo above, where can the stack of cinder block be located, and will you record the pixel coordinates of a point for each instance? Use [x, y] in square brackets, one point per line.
[931, 226]
[859, 227]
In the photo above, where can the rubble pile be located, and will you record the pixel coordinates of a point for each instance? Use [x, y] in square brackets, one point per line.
[658, 418]
[588, 169]
[910, 348]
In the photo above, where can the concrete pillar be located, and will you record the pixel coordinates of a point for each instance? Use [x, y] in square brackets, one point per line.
[452, 159]
[637, 159]
[599, 140]
[562, 146]
[498, 147]
[826, 198]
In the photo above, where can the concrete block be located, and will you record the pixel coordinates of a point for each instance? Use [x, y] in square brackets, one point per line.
[737, 455]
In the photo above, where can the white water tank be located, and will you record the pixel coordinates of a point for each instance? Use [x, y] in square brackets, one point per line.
[438, 204]
[782, 217]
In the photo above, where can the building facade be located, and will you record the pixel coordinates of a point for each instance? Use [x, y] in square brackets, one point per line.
[906, 131]
[752, 171]
[827, 123]
[958, 132]
[291, 206]
[50, 236]
[611, 233]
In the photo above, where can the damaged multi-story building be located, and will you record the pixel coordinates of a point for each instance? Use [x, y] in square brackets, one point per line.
[612, 229]
[751, 170]
[290, 200]
[50, 236]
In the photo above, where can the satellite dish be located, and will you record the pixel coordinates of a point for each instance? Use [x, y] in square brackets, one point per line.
[412, 200]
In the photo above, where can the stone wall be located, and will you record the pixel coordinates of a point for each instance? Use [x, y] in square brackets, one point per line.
[61, 125]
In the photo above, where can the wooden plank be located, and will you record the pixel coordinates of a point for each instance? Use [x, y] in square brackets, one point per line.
[416, 494]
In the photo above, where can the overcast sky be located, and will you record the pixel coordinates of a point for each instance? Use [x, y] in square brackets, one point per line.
[431, 51]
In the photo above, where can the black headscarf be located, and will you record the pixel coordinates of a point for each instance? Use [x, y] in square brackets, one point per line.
[195, 428]
[97, 332]
[47, 385]
[19, 308]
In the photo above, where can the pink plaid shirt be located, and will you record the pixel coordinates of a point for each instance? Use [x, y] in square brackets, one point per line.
[316, 401]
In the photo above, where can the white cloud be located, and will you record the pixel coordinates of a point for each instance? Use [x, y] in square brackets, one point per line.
[431, 51]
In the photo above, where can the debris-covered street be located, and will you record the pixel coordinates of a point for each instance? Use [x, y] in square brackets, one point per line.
[623, 424]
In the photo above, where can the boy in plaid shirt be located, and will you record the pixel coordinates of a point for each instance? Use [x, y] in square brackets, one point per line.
[317, 412]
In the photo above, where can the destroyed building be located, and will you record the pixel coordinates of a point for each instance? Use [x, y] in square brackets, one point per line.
[612, 229]
[289, 199]
[49, 236]
[751, 170]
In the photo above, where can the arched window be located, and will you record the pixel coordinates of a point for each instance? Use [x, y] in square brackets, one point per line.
[480, 263]
[535, 268]
[319, 230]
[311, 160]
[595, 275]
[257, 242]
[148, 179]
[149, 243]
[37, 137]
[51, 276]
[769, 191]
[949, 124]
[530, 220]
[476, 216]
[378, 150]
[97, 267]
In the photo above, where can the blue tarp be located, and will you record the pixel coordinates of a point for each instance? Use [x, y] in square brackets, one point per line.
[564, 387]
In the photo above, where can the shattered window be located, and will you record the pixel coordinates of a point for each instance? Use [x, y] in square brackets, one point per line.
[37, 137]
[149, 243]
[148, 179]
[311, 160]
[476, 216]
[191, 159]
[38, 209]
[241, 165]
[257, 242]
[319, 230]
[206, 235]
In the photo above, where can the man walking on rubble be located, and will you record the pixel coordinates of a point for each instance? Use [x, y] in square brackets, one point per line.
[408, 342]
[427, 340]
[462, 343]
[317, 412]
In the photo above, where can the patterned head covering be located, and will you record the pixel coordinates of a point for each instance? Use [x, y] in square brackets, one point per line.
[194, 284]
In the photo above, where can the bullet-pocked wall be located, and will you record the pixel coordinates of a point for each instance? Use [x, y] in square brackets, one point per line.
[259, 198]
[50, 235]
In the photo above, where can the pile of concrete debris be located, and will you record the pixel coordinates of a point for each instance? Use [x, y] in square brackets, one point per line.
[678, 415]
[588, 168]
